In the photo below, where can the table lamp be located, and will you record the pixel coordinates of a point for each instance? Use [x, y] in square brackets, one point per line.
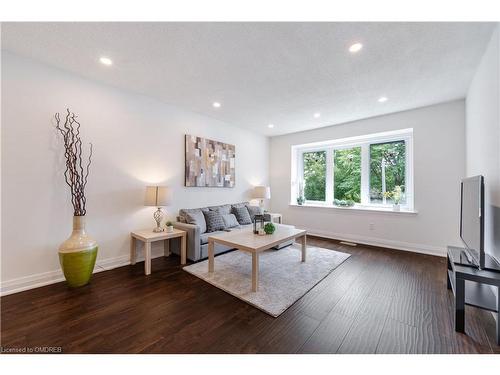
[261, 193]
[157, 196]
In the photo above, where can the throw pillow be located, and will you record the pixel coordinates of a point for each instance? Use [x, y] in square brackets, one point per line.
[214, 221]
[184, 211]
[242, 215]
[241, 204]
[254, 210]
[230, 221]
[223, 210]
[196, 217]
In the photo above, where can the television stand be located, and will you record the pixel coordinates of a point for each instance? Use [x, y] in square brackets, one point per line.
[472, 286]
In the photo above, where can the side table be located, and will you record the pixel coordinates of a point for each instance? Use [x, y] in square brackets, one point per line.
[275, 217]
[147, 236]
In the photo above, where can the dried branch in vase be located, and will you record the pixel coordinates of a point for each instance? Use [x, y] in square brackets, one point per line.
[76, 174]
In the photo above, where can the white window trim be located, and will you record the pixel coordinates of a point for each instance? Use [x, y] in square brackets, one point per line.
[364, 142]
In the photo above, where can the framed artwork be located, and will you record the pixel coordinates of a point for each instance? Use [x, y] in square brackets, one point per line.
[209, 163]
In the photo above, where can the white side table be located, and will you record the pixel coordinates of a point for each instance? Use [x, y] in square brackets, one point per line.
[275, 217]
[148, 236]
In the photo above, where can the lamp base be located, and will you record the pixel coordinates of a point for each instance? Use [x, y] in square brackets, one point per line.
[158, 216]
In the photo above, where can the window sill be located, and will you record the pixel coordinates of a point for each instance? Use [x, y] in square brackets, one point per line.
[358, 208]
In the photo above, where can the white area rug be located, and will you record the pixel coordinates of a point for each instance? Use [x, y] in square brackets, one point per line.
[283, 278]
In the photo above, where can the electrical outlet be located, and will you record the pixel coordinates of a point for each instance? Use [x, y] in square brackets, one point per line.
[371, 226]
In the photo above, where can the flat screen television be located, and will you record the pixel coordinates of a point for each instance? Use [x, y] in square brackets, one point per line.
[472, 219]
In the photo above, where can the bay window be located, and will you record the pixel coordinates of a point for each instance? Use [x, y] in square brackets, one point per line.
[373, 171]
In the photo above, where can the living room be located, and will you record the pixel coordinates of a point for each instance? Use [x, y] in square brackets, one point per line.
[250, 187]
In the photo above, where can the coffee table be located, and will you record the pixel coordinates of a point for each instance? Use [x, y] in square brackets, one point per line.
[246, 240]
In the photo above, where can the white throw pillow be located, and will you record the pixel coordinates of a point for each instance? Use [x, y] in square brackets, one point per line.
[230, 221]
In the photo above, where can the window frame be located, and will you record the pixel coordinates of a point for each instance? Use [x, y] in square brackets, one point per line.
[364, 142]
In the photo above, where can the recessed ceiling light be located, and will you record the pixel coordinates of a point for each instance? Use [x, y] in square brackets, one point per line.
[270, 126]
[317, 115]
[106, 61]
[216, 104]
[382, 99]
[356, 47]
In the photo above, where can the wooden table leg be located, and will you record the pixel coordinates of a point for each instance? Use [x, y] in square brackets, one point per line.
[210, 256]
[183, 249]
[459, 305]
[255, 271]
[304, 247]
[147, 258]
[448, 281]
[166, 247]
[132, 250]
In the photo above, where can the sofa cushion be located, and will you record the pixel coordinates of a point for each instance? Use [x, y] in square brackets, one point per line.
[214, 221]
[196, 217]
[242, 215]
[204, 236]
[254, 210]
[223, 210]
[230, 221]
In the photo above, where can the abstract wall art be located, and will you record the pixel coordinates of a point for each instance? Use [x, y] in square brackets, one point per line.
[209, 163]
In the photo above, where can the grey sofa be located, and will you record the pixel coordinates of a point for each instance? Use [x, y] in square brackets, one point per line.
[197, 237]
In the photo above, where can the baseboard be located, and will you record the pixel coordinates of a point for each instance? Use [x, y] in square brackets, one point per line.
[46, 278]
[397, 245]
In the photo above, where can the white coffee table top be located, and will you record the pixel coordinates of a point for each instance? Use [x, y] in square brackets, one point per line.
[245, 239]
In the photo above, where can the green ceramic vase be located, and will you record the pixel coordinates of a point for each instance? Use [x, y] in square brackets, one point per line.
[77, 255]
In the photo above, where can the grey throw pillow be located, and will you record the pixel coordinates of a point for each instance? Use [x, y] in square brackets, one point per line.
[184, 211]
[196, 217]
[223, 210]
[214, 221]
[242, 215]
[254, 210]
[230, 221]
[241, 204]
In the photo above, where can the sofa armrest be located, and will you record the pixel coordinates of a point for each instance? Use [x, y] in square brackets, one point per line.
[192, 240]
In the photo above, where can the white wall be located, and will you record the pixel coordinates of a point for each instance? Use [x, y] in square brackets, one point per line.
[439, 164]
[137, 141]
[483, 137]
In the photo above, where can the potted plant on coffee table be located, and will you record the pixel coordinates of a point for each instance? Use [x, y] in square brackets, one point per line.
[269, 228]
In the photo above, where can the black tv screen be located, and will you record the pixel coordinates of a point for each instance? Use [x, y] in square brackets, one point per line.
[472, 218]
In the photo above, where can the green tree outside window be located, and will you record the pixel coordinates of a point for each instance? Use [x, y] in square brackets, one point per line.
[347, 174]
[314, 175]
[390, 158]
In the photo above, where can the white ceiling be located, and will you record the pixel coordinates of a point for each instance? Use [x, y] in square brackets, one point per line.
[261, 73]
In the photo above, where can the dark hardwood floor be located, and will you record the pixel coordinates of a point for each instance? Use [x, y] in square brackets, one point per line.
[378, 301]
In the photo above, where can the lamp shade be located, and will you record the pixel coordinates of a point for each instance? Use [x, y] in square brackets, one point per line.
[157, 196]
[262, 192]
